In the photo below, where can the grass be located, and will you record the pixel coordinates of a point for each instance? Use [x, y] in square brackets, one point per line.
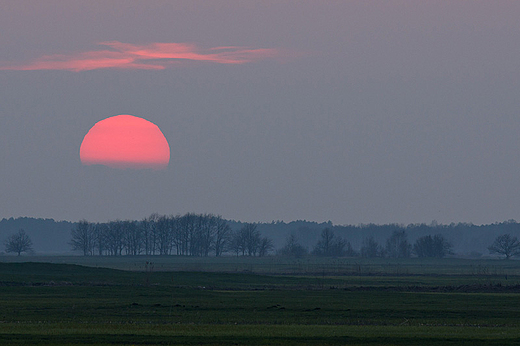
[291, 266]
[256, 335]
[66, 304]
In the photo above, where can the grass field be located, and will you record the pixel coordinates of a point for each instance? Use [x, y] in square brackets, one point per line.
[422, 303]
[298, 266]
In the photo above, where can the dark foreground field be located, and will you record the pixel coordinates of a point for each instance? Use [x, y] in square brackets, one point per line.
[421, 303]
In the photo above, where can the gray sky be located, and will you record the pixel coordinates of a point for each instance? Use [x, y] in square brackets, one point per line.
[369, 111]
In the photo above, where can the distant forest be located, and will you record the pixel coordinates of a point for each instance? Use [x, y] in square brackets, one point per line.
[210, 235]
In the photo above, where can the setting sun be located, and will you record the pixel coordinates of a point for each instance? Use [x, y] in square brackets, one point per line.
[125, 141]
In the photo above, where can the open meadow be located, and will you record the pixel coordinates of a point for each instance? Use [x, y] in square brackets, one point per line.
[258, 301]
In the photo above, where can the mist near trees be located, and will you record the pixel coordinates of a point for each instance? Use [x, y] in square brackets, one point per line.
[206, 234]
[506, 245]
[330, 245]
[18, 243]
[293, 248]
[193, 235]
[428, 246]
[189, 235]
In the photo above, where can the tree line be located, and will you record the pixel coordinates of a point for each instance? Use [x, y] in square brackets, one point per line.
[50, 236]
[207, 234]
[467, 238]
[210, 235]
[189, 235]
[396, 246]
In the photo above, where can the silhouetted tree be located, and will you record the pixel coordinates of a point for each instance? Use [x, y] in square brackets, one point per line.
[397, 245]
[250, 237]
[292, 247]
[330, 245]
[180, 235]
[222, 235]
[133, 237]
[371, 248]
[348, 250]
[206, 232]
[428, 246]
[100, 232]
[506, 245]
[148, 230]
[114, 238]
[326, 243]
[188, 234]
[163, 235]
[84, 238]
[265, 246]
[238, 243]
[18, 243]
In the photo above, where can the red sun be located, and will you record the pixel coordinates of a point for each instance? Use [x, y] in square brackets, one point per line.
[125, 141]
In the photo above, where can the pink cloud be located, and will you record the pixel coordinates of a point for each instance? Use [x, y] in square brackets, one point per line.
[153, 56]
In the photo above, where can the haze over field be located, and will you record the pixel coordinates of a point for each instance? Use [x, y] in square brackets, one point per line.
[349, 111]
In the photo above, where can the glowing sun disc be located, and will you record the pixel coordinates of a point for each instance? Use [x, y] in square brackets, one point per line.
[125, 141]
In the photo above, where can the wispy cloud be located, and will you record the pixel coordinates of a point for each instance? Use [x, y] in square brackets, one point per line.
[153, 56]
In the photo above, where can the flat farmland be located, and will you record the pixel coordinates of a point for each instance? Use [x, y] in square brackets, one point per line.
[426, 303]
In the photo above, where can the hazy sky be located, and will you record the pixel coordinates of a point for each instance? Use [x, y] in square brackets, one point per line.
[349, 111]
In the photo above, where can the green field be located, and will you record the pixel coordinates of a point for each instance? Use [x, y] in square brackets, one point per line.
[253, 301]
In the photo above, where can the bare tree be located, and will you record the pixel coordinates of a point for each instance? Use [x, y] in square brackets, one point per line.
[371, 248]
[190, 241]
[207, 228]
[100, 234]
[397, 245]
[266, 245]
[174, 222]
[330, 245]
[506, 245]
[84, 238]
[18, 243]
[184, 234]
[237, 243]
[251, 238]
[115, 237]
[222, 235]
[149, 228]
[428, 246]
[325, 244]
[164, 235]
[133, 237]
[178, 235]
[292, 247]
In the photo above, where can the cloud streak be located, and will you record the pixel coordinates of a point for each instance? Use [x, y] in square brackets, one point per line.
[153, 56]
